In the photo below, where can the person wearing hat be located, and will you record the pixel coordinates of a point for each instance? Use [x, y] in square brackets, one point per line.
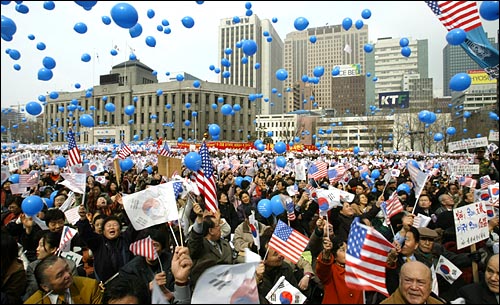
[428, 252]
[485, 167]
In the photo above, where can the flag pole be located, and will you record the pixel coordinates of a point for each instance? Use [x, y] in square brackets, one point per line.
[173, 234]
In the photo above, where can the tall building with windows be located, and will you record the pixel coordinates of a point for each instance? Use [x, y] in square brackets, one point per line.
[391, 71]
[455, 60]
[323, 47]
[257, 71]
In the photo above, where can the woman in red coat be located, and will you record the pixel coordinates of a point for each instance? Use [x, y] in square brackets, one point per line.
[330, 269]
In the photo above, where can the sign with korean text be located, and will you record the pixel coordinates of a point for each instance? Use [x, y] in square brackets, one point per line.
[493, 136]
[463, 169]
[471, 224]
[468, 143]
[20, 161]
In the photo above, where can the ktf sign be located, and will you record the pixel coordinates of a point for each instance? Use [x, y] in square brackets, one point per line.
[399, 99]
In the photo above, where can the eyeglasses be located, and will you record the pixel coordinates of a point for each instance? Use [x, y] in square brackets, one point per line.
[427, 239]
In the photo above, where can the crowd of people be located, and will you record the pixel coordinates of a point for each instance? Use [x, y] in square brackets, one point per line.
[34, 271]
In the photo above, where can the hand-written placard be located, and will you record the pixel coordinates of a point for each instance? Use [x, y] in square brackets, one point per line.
[471, 224]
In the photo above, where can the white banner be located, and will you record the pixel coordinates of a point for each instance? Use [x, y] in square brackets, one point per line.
[493, 136]
[463, 169]
[468, 143]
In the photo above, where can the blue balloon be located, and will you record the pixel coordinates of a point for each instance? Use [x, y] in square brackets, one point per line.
[359, 24]
[403, 42]
[313, 39]
[34, 108]
[49, 62]
[80, 28]
[301, 23]
[151, 41]
[281, 74]
[280, 147]
[49, 5]
[192, 161]
[188, 22]
[375, 173]
[60, 161]
[126, 164]
[404, 187]
[238, 180]
[460, 82]
[276, 206]
[406, 51]
[264, 208]
[8, 27]
[280, 160]
[249, 47]
[226, 109]
[45, 74]
[86, 57]
[150, 13]
[318, 71]
[214, 130]
[14, 178]
[451, 131]
[368, 48]
[31, 205]
[110, 107]
[106, 20]
[86, 120]
[124, 15]
[129, 110]
[438, 136]
[48, 202]
[347, 23]
[135, 31]
[456, 36]
[488, 10]
[366, 14]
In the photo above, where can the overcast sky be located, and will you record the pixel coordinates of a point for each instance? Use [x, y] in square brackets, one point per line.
[191, 50]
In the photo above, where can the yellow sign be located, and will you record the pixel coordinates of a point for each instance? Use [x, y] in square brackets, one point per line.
[480, 78]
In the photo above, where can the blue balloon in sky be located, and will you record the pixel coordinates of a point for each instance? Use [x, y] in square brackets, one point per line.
[188, 22]
[124, 15]
[301, 23]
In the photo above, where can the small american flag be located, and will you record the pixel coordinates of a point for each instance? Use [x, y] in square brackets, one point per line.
[290, 209]
[66, 236]
[288, 242]
[73, 151]
[165, 150]
[205, 179]
[318, 170]
[485, 181]
[366, 258]
[456, 14]
[467, 181]
[29, 180]
[144, 247]
[391, 207]
[125, 151]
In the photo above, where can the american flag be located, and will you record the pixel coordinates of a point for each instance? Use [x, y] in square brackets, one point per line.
[366, 258]
[165, 150]
[29, 180]
[144, 247]
[288, 242]
[485, 181]
[205, 179]
[418, 177]
[336, 173]
[125, 151]
[73, 151]
[66, 236]
[178, 189]
[290, 209]
[318, 170]
[392, 206]
[467, 181]
[456, 14]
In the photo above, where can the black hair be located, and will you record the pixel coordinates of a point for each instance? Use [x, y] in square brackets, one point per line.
[53, 214]
[50, 239]
[123, 286]
[110, 218]
[415, 232]
[337, 243]
[208, 223]
[9, 252]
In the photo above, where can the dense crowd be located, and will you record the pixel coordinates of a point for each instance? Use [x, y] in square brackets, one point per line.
[34, 270]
